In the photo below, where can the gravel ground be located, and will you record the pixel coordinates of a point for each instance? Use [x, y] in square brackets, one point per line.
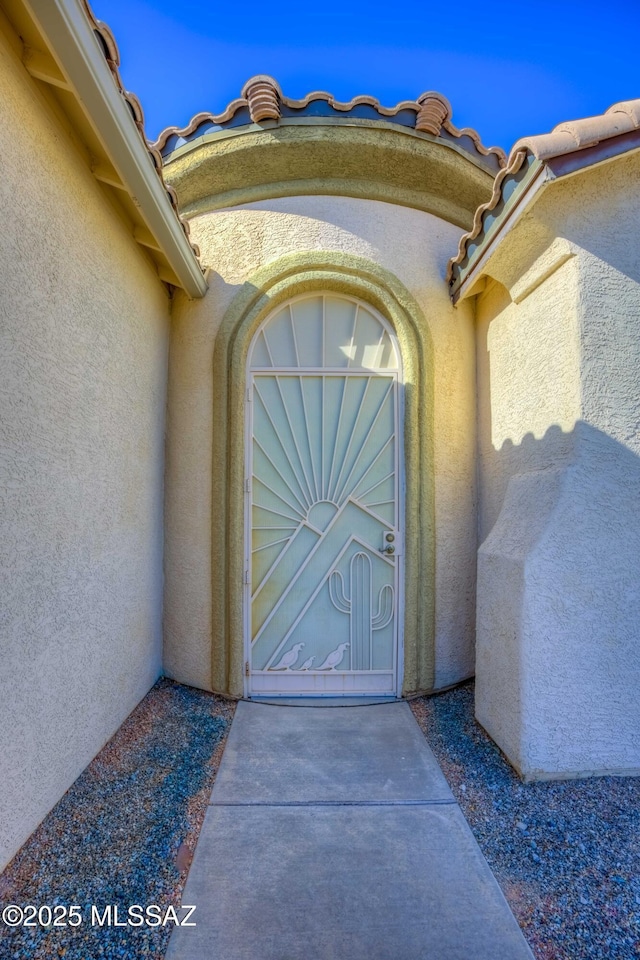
[123, 833]
[566, 853]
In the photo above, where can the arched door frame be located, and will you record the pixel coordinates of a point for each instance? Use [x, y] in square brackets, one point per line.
[274, 284]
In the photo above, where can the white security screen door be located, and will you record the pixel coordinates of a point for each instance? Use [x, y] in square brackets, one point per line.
[323, 502]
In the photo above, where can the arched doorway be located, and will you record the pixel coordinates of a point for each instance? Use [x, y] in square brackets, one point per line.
[324, 514]
[271, 287]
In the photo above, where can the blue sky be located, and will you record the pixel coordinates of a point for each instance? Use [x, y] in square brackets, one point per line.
[508, 68]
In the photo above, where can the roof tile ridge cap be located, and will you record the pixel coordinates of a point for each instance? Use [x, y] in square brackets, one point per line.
[546, 145]
[630, 107]
[567, 136]
[227, 114]
[475, 136]
[588, 131]
[112, 57]
[343, 105]
[516, 159]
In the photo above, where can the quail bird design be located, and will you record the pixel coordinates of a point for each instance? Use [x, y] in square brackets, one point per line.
[307, 664]
[289, 658]
[334, 658]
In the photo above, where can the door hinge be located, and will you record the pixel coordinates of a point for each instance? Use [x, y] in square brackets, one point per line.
[247, 485]
[248, 395]
[246, 668]
[246, 576]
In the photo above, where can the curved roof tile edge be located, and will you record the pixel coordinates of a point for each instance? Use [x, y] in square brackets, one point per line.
[570, 136]
[112, 56]
[515, 162]
[433, 112]
[475, 136]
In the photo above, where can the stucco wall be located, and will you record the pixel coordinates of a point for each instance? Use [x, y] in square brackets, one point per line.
[235, 243]
[84, 328]
[558, 656]
[528, 384]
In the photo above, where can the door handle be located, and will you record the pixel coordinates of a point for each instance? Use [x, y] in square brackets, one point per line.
[389, 549]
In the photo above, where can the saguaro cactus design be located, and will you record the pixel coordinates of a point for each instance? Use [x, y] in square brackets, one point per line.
[359, 605]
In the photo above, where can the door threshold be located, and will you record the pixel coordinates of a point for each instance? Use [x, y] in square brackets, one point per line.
[321, 701]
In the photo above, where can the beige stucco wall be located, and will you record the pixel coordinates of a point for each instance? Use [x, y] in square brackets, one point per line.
[84, 331]
[528, 384]
[235, 243]
[558, 657]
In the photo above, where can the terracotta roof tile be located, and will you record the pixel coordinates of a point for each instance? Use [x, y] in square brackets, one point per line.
[568, 137]
[112, 56]
[515, 162]
[264, 99]
[579, 134]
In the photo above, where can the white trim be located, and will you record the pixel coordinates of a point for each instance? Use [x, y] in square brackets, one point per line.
[69, 35]
[325, 684]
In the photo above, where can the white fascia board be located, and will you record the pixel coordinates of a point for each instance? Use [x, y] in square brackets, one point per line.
[64, 25]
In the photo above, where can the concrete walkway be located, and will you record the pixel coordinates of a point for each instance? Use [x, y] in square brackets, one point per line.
[332, 835]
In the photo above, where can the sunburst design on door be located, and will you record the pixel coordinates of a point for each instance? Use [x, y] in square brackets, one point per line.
[323, 474]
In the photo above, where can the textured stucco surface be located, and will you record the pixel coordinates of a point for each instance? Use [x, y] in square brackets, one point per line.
[528, 384]
[558, 626]
[412, 246]
[371, 161]
[84, 328]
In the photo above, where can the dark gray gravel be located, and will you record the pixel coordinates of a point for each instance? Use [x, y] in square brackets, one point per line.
[566, 853]
[123, 833]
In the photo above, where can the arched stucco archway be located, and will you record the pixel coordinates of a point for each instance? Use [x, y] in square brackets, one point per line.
[270, 286]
